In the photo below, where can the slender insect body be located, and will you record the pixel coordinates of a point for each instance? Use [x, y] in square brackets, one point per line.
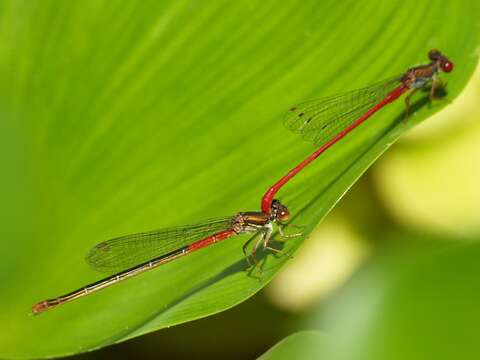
[325, 121]
[108, 253]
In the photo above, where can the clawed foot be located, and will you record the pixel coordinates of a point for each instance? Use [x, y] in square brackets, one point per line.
[287, 236]
[278, 251]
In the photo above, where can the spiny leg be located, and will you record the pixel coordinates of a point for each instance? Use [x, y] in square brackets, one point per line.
[244, 249]
[286, 236]
[255, 264]
[282, 235]
[266, 234]
[432, 89]
[407, 104]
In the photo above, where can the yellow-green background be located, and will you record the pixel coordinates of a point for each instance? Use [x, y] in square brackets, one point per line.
[124, 116]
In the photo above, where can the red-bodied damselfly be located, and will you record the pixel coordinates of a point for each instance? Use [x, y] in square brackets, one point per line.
[130, 255]
[326, 121]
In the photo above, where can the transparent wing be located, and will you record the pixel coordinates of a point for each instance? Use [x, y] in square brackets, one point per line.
[124, 252]
[319, 120]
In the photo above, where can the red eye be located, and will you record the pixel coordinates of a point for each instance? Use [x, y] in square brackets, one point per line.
[447, 66]
[284, 215]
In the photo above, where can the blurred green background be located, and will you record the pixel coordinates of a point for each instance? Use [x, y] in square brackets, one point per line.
[125, 116]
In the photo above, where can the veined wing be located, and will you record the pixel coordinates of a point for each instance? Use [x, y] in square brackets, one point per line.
[319, 120]
[127, 251]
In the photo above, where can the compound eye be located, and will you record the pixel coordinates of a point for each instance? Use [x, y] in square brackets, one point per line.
[284, 215]
[447, 66]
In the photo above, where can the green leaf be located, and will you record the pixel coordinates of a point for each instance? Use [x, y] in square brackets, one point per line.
[301, 345]
[119, 117]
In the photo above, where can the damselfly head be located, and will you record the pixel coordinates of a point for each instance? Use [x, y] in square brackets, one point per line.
[278, 211]
[443, 62]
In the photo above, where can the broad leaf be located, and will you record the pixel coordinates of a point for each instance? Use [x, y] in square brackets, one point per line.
[120, 117]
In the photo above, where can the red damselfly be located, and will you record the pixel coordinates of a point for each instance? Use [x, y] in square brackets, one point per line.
[130, 255]
[326, 121]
